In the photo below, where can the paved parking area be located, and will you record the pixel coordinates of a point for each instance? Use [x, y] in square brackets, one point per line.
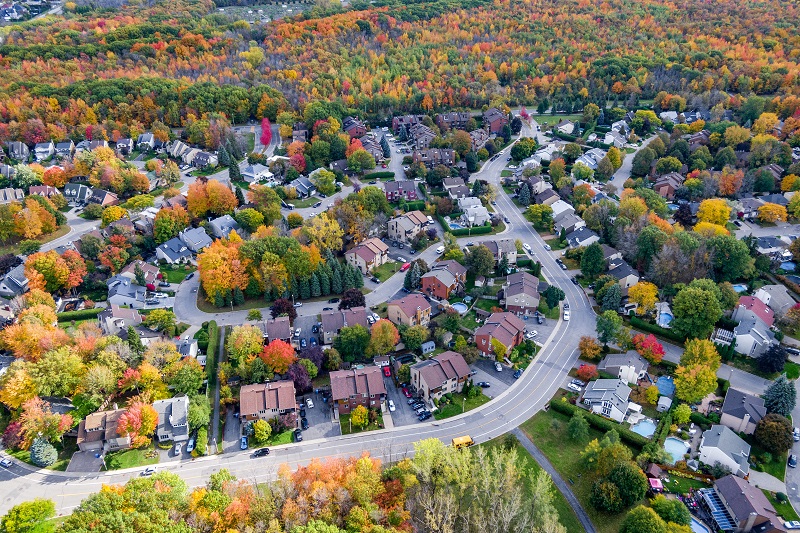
[403, 415]
[85, 462]
[498, 381]
[320, 418]
[231, 432]
[305, 323]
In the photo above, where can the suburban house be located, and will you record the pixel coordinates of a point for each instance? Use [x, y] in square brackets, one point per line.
[568, 223]
[404, 122]
[592, 158]
[104, 198]
[421, 136]
[299, 133]
[123, 226]
[561, 209]
[759, 308]
[503, 248]
[521, 293]
[609, 398]
[360, 386]
[222, 226]
[354, 127]
[614, 138]
[303, 186]
[172, 419]
[432, 157]
[565, 126]
[368, 254]
[372, 145]
[721, 444]
[478, 139]
[150, 272]
[65, 149]
[748, 207]
[741, 411]
[174, 251]
[494, 120]
[629, 367]
[506, 328]
[405, 227]
[411, 310]
[123, 291]
[475, 215]
[777, 297]
[204, 159]
[582, 237]
[443, 374]
[265, 401]
[276, 329]
[98, 431]
[753, 335]
[546, 197]
[124, 146]
[18, 151]
[459, 191]
[625, 274]
[14, 283]
[400, 190]
[455, 120]
[333, 321]
[256, 173]
[146, 141]
[179, 199]
[115, 318]
[77, 193]
[444, 278]
[195, 239]
[9, 195]
[44, 150]
[738, 506]
[44, 190]
[189, 348]
[6, 171]
[667, 184]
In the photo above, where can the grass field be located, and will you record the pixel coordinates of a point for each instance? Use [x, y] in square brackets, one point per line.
[548, 431]
[284, 437]
[176, 273]
[386, 270]
[555, 243]
[13, 248]
[566, 516]
[344, 422]
[785, 509]
[65, 451]
[454, 408]
[129, 459]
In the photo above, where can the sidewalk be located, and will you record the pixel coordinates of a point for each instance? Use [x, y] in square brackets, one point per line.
[762, 480]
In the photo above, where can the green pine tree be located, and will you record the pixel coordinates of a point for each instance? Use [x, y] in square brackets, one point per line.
[358, 279]
[219, 299]
[223, 157]
[234, 172]
[525, 195]
[240, 195]
[408, 281]
[416, 276]
[324, 282]
[316, 289]
[238, 296]
[347, 279]
[337, 284]
[305, 289]
[135, 341]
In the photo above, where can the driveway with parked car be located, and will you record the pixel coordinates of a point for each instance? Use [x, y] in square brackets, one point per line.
[319, 420]
[403, 414]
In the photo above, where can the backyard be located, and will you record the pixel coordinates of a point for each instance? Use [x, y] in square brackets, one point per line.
[131, 458]
[347, 429]
[459, 404]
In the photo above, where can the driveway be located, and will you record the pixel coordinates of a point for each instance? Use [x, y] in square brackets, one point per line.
[85, 462]
[231, 433]
[403, 415]
[320, 421]
[498, 381]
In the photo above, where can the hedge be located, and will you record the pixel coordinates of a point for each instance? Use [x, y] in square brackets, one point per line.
[379, 175]
[658, 330]
[723, 385]
[479, 230]
[421, 187]
[416, 205]
[700, 420]
[600, 423]
[83, 314]
[211, 352]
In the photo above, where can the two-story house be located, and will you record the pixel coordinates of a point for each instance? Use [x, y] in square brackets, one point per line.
[405, 227]
[608, 397]
[440, 375]
[721, 444]
[400, 190]
[195, 239]
[172, 419]
[494, 120]
[98, 431]
[411, 310]
[506, 328]
[265, 401]
[444, 278]
[334, 320]
[276, 329]
[741, 411]
[367, 255]
[359, 386]
[503, 248]
[521, 293]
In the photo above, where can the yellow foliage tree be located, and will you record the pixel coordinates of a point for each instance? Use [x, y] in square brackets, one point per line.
[707, 229]
[715, 211]
[772, 213]
[645, 294]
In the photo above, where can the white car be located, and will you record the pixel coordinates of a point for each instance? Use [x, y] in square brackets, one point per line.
[573, 387]
[375, 317]
[309, 403]
[527, 247]
[391, 406]
[794, 524]
[149, 471]
[566, 316]
[498, 367]
[6, 463]
[532, 334]
[547, 247]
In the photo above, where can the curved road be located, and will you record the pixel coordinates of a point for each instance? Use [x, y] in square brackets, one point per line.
[514, 406]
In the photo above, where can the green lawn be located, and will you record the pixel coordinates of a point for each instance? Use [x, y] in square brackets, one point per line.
[566, 516]
[792, 370]
[176, 273]
[344, 422]
[776, 468]
[208, 171]
[130, 459]
[555, 243]
[208, 307]
[250, 141]
[565, 455]
[506, 173]
[681, 485]
[284, 437]
[300, 203]
[784, 509]
[454, 408]
[386, 270]
[242, 185]
[13, 248]
[65, 451]
[470, 320]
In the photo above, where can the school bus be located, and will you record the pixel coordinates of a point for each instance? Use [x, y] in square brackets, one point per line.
[463, 442]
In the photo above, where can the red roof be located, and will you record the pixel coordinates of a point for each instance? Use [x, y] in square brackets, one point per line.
[758, 307]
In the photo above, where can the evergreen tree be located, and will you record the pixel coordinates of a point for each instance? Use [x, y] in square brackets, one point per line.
[135, 341]
[223, 157]
[408, 281]
[234, 172]
[502, 266]
[252, 290]
[358, 279]
[324, 282]
[337, 285]
[219, 299]
[240, 195]
[295, 288]
[305, 289]
[347, 279]
[612, 298]
[316, 290]
[43, 453]
[138, 273]
[524, 195]
[228, 297]
[477, 188]
[238, 296]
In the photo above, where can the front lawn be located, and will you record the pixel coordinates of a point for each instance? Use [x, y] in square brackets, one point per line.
[566, 516]
[556, 243]
[386, 270]
[284, 437]
[784, 508]
[131, 458]
[548, 431]
[65, 450]
[176, 273]
[300, 203]
[454, 408]
[792, 370]
[207, 171]
[776, 467]
[344, 422]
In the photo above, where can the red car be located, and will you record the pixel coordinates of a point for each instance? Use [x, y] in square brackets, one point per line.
[387, 371]
[406, 393]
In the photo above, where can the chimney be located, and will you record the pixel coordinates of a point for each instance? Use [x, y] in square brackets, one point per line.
[751, 519]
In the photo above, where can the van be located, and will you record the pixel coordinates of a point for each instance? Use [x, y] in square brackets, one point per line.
[430, 219]
[440, 250]
[405, 267]
[463, 442]
[290, 206]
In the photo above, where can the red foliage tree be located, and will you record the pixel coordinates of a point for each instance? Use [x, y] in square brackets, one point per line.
[649, 347]
[266, 131]
[587, 372]
[138, 423]
[298, 162]
[279, 356]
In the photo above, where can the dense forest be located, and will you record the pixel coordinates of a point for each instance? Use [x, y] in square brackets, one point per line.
[170, 62]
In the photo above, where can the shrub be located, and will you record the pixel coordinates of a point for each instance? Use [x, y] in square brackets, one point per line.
[638, 323]
[43, 453]
[600, 423]
[83, 314]
[700, 420]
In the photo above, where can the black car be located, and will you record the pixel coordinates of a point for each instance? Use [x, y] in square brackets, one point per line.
[333, 301]
[483, 384]
[304, 423]
[574, 280]
[316, 205]
[375, 280]
[315, 329]
[327, 308]
[405, 290]
[302, 413]
[261, 452]
[189, 275]
[298, 435]
[423, 417]
[539, 320]
[517, 373]
[373, 182]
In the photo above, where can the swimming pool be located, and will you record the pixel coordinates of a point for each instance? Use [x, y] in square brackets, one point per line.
[789, 266]
[645, 428]
[461, 308]
[664, 319]
[676, 448]
[698, 527]
[666, 386]
[740, 287]
[453, 225]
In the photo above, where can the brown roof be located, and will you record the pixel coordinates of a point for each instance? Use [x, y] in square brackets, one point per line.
[410, 303]
[743, 498]
[365, 381]
[101, 425]
[277, 328]
[336, 319]
[369, 249]
[150, 272]
[443, 367]
[501, 326]
[417, 217]
[266, 396]
[522, 283]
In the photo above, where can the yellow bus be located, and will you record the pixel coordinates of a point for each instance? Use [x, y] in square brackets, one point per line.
[463, 442]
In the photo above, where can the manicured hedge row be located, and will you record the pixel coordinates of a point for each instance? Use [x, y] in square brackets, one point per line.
[211, 352]
[638, 323]
[600, 423]
[479, 230]
[83, 314]
[700, 420]
[379, 175]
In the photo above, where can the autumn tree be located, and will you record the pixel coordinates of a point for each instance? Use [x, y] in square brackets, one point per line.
[28, 517]
[649, 347]
[589, 348]
[383, 338]
[38, 420]
[359, 417]
[47, 271]
[772, 213]
[645, 295]
[244, 342]
[693, 383]
[278, 355]
[774, 433]
[138, 423]
[169, 222]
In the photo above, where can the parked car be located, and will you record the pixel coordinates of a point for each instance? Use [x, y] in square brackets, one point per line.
[309, 403]
[302, 411]
[191, 443]
[243, 443]
[566, 316]
[739, 224]
[573, 387]
[498, 367]
[578, 382]
[298, 304]
[547, 247]
[375, 279]
[261, 452]
[149, 471]
[313, 341]
[517, 373]
[316, 205]
[406, 393]
[304, 423]
[298, 435]
[794, 524]
[527, 247]
[387, 371]
[333, 301]
[327, 308]
[391, 406]
[796, 434]
[303, 343]
[423, 417]
[190, 275]
[6, 463]
[539, 320]
[315, 328]
[532, 334]
[483, 384]
[566, 305]
[793, 461]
